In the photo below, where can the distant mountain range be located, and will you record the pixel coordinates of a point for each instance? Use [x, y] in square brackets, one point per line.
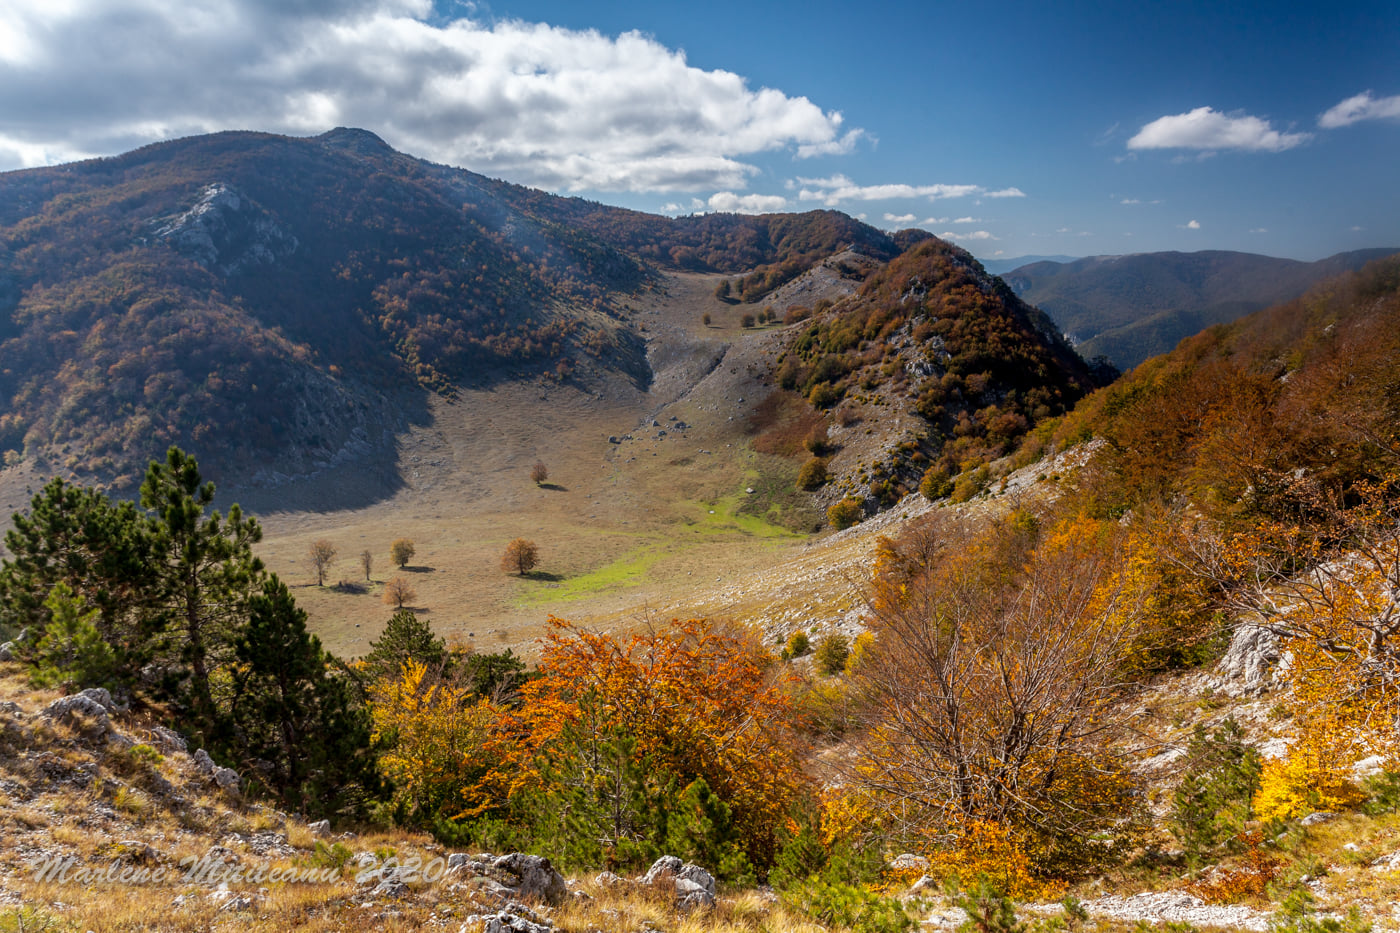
[1002, 266]
[1129, 308]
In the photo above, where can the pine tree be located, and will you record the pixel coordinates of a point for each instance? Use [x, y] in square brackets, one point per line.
[406, 637]
[104, 553]
[72, 651]
[292, 717]
[207, 573]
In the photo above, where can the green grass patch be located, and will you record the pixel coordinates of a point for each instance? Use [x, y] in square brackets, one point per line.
[627, 570]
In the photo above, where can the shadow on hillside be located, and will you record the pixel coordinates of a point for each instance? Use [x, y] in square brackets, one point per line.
[348, 586]
[553, 487]
[544, 575]
[416, 569]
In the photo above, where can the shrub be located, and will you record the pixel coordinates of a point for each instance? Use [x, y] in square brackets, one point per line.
[824, 395]
[746, 321]
[936, 484]
[831, 654]
[849, 906]
[845, 513]
[798, 644]
[812, 475]
[970, 484]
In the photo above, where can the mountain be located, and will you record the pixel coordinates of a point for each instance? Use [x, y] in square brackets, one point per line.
[938, 362]
[1129, 308]
[278, 304]
[1003, 266]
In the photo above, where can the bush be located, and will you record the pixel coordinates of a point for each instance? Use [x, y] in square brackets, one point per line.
[831, 654]
[812, 475]
[824, 395]
[746, 321]
[849, 906]
[845, 513]
[936, 484]
[970, 484]
[798, 644]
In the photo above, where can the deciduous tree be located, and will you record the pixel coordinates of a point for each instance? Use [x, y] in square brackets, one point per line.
[367, 562]
[539, 472]
[321, 553]
[401, 551]
[521, 556]
[397, 592]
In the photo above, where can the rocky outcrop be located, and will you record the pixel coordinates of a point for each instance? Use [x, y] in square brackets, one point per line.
[1246, 667]
[226, 778]
[224, 231]
[693, 885]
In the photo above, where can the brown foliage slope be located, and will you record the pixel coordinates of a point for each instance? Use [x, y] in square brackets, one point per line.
[1234, 417]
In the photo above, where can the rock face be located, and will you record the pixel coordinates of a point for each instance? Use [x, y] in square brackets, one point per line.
[693, 885]
[1253, 652]
[225, 231]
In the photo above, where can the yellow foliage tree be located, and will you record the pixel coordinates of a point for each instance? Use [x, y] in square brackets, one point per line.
[435, 734]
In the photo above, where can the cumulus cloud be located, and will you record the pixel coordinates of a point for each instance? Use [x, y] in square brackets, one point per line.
[1205, 128]
[1361, 107]
[838, 189]
[974, 235]
[902, 219]
[1190, 225]
[539, 104]
[731, 203]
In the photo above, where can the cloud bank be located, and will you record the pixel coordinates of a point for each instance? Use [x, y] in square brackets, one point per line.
[541, 105]
[1208, 129]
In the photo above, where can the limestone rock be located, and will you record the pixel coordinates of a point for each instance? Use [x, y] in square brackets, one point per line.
[531, 877]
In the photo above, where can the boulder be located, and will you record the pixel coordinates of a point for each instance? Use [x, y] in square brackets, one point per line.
[908, 862]
[226, 778]
[7, 651]
[530, 877]
[320, 827]
[65, 708]
[692, 885]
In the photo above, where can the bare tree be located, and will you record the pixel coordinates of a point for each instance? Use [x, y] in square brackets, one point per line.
[322, 552]
[520, 557]
[992, 686]
[367, 562]
[397, 592]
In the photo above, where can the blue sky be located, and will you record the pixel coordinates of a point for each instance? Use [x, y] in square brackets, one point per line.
[1013, 128]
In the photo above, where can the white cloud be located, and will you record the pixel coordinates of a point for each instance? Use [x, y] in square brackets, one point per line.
[1204, 128]
[903, 219]
[1361, 107]
[1130, 201]
[1259, 230]
[539, 104]
[974, 235]
[838, 189]
[966, 220]
[1190, 225]
[731, 203]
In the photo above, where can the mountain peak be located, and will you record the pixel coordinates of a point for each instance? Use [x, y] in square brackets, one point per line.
[355, 140]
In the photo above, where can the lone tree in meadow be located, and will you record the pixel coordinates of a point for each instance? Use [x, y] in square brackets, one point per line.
[520, 557]
[397, 592]
[539, 473]
[321, 552]
[367, 562]
[401, 551]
